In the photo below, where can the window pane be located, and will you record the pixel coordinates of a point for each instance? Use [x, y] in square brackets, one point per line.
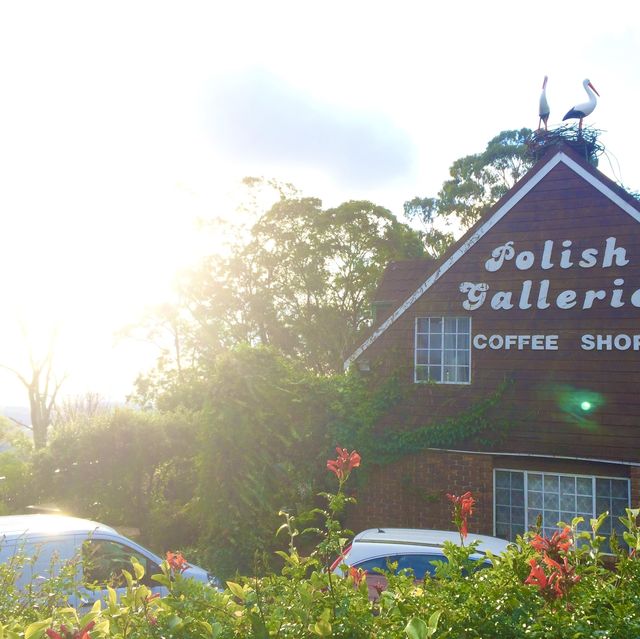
[503, 479]
[503, 531]
[422, 373]
[603, 488]
[535, 500]
[535, 481]
[568, 485]
[423, 325]
[620, 488]
[449, 358]
[551, 483]
[449, 373]
[558, 498]
[517, 497]
[584, 485]
[503, 514]
[585, 504]
[440, 344]
[602, 505]
[551, 501]
[618, 507]
[568, 502]
[533, 514]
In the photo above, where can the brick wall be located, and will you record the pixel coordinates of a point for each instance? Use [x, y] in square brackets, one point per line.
[412, 492]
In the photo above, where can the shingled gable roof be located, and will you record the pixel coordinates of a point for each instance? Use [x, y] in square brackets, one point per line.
[563, 154]
[401, 277]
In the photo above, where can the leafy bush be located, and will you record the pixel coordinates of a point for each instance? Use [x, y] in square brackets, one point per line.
[540, 588]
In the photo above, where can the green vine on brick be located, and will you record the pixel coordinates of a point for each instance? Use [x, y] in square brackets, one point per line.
[475, 421]
[356, 423]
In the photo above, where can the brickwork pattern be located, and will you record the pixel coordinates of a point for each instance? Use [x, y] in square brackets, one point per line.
[412, 492]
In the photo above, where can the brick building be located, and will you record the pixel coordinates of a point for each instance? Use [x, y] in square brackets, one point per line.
[541, 296]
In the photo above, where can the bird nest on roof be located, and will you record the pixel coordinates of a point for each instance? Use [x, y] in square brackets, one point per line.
[584, 141]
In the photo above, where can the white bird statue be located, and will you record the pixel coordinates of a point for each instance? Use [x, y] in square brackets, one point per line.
[544, 110]
[583, 110]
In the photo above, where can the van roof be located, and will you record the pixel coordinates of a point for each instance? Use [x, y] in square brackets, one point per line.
[421, 537]
[17, 525]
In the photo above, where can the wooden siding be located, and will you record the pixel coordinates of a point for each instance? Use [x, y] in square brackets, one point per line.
[562, 206]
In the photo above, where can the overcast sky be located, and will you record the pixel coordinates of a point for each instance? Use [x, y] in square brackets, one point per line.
[123, 122]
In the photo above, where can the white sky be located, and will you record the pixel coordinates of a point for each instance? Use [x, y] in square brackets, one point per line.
[123, 122]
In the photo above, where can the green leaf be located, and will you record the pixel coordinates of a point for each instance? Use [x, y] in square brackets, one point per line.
[36, 629]
[128, 578]
[433, 621]
[258, 626]
[237, 590]
[417, 629]
[137, 568]
[162, 579]
[175, 623]
[596, 523]
[321, 628]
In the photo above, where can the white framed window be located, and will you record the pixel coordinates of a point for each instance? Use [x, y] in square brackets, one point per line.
[443, 350]
[521, 497]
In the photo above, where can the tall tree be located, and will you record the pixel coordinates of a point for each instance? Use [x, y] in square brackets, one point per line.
[303, 280]
[477, 181]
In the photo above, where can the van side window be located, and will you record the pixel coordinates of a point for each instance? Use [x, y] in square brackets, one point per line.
[103, 562]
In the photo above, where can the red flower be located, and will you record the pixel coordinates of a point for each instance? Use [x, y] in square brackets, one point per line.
[357, 574]
[462, 510]
[176, 561]
[559, 542]
[561, 576]
[537, 576]
[344, 464]
[65, 633]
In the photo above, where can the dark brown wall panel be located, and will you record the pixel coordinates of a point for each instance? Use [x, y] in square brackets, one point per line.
[562, 207]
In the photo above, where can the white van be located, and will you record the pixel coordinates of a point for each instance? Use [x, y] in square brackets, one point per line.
[98, 553]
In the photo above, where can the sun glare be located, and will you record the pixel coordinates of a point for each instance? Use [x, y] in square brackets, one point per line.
[74, 284]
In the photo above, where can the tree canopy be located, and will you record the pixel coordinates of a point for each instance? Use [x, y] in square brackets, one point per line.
[300, 280]
[477, 181]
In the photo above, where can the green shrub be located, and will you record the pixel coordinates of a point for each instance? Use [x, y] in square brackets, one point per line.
[539, 588]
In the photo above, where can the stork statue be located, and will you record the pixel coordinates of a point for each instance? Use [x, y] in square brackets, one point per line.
[586, 108]
[544, 106]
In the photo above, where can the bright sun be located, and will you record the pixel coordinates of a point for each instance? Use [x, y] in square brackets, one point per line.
[83, 280]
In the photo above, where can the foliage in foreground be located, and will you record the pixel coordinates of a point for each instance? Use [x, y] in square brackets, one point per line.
[540, 588]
